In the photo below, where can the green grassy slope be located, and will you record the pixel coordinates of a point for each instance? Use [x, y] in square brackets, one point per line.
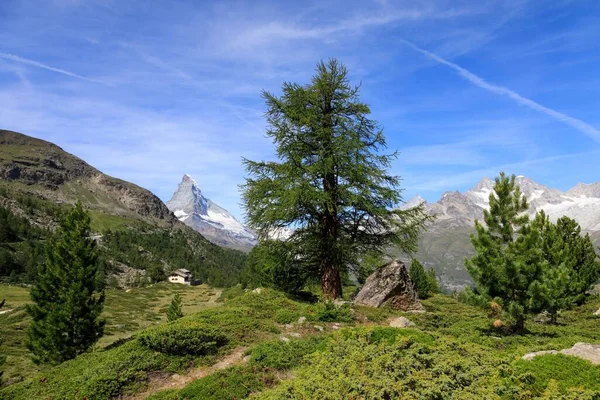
[452, 352]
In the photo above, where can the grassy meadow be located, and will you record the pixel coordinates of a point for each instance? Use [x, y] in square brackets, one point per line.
[452, 352]
[126, 311]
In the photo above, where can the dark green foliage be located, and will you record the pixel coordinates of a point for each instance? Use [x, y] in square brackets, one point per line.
[174, 311]
[568, 372]
[230, 384]
[328, 311]
[272, 264]
[425, 282]
[100, 375]
[368, 264]
[67, 307]
[285, 355]
[508, 260]
[147, 247]
[331, 179]
[571, 265]
[285, 316]
[182, 338]
[20, 247]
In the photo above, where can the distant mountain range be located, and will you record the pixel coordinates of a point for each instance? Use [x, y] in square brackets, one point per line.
[135, 229]
[447, 242]
[203, 215]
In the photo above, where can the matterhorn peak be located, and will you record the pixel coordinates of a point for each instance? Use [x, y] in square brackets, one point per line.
[205, 216]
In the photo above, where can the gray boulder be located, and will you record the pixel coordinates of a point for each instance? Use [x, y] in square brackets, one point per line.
[401, 322]
[389, 285]
[585, 351]
[597, 313]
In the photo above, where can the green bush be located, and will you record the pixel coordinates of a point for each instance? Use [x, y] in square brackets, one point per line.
[285, 316]
[230, 384]
[183, 338]
[330, 312]
[282, 356]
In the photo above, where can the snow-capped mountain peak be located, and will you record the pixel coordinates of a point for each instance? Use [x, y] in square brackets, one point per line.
[413, 202]
[203, 215]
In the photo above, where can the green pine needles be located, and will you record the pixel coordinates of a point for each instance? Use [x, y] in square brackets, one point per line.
[331, 180]
[523, 266]
[425, 282]
[66, 301]
[174, 311]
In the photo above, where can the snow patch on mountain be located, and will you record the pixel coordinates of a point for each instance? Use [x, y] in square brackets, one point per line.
[203, 215]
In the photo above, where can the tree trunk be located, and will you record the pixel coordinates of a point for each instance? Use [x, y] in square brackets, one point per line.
[519, 325]
[331, 284]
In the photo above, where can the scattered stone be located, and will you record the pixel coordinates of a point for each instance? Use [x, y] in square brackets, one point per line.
[389, 285]
[543, 317]
[284, 339]
[289, 326]
[597, 313]
[301, 320]
[401, 322]
[5, 311]
[585, 351]
[531, 356]
[335, 326]
[319, 328]
[247, 358]
[295, 334]
[496, 337]
[257, 290]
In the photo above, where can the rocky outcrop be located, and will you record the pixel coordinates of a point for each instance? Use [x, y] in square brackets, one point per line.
[389, 286]
[56, 175]
[585, 351]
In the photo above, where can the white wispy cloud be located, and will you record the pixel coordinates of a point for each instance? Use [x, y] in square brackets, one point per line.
[578, 124]
[37, 64]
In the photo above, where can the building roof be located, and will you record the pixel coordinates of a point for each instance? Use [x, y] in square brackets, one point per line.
[182, 272]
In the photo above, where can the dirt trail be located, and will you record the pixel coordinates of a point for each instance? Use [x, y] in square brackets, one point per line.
[216, 296]
[162, 382]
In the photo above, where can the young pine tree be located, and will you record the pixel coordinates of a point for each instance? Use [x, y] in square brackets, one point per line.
[433, 284]
[425, 282]
[174, 311]
[66, 302]
[419, 278]
[331, 180]
[508, 259]
[571, 266]
[581, 258]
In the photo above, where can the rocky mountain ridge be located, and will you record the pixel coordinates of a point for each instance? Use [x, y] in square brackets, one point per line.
[44, 169]
[446, 243]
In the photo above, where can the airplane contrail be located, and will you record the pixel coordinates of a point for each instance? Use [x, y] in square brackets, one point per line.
[44, 66]
[578, 124]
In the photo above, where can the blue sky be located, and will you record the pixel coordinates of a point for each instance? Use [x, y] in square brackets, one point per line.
[150, 90]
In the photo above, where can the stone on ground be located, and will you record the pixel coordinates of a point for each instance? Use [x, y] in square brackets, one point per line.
[585, 351]
[401, 322]
[389, 285]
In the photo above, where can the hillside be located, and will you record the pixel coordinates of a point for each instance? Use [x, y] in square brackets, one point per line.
[44, 169]
[446, 243]
[135, 229]
[263, 349]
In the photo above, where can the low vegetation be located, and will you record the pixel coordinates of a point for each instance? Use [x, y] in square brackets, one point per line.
[452, 351]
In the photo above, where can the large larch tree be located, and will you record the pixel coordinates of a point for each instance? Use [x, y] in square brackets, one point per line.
[331, 180]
